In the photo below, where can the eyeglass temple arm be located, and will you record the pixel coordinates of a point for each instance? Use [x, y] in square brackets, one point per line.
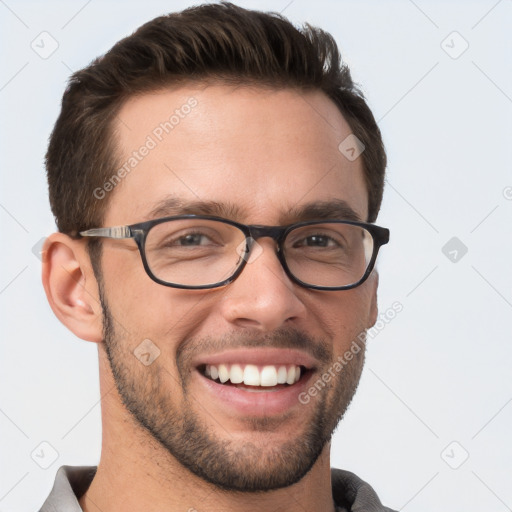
[114, 232]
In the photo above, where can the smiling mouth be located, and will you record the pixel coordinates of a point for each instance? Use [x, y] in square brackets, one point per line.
[251, 377]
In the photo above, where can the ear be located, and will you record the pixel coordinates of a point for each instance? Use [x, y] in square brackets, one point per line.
[374, 308]
[71, 287]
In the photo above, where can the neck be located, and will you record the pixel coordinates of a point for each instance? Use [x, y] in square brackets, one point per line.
[137, 473]
[131, 483]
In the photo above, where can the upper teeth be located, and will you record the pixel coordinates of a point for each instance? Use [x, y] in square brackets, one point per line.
[251, 375]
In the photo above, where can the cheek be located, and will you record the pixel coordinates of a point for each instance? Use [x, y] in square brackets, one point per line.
[144, 309]
[343, 315]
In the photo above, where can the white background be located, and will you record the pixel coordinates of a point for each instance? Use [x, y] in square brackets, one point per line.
[439, 372]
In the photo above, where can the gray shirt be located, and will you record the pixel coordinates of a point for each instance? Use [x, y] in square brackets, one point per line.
[350, 493]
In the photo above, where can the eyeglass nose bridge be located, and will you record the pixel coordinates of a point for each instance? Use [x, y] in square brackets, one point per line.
[274, 232]
[256, 232]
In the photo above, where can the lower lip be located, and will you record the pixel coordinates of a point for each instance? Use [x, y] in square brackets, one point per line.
[252, 402]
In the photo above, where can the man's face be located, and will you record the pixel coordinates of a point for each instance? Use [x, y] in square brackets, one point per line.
[257, 157]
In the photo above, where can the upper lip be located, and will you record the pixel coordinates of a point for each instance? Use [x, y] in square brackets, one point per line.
[258, 356]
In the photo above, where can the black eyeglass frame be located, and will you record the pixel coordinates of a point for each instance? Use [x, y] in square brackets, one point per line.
[139, 233]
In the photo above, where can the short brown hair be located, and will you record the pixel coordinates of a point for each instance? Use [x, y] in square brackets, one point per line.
[209, 42]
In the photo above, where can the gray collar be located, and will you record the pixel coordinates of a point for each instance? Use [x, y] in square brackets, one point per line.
[350, 493]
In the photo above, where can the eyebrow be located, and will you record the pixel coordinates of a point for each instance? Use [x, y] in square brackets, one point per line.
[172, 205]
[321, 210]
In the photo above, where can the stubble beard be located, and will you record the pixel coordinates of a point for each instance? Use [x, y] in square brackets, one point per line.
[227, 464]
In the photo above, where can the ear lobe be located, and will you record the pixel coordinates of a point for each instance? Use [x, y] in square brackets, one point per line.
[71, 287]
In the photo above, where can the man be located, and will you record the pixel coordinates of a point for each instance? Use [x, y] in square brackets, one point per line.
[214, 178]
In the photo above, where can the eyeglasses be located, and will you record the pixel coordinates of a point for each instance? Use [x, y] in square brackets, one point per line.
[199, 252]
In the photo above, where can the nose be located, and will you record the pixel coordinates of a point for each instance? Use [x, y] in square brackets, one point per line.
[263, 296]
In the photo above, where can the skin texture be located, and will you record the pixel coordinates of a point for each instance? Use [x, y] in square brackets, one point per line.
[167, 442]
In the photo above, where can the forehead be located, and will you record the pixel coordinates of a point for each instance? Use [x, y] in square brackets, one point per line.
[262, 153]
